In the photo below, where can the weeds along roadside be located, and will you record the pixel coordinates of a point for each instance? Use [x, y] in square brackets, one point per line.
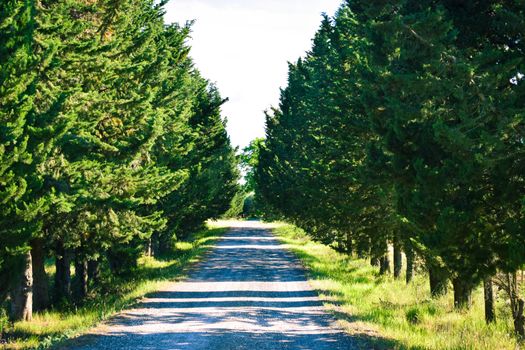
[387, 312]
[52, 327]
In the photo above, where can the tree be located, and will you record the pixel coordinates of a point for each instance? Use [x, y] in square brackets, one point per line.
[249, 159]
[33, 127]
[403, 125]
[212, 169]
[15, 106]
[104, 119]
[313, 163]
[423, 97]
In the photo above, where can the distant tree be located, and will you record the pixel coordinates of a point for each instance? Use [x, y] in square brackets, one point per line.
[249, 159]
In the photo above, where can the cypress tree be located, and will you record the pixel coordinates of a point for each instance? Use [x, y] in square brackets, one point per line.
[17, 79]
[103, 119]
[33, 128]
[405, 117]
[320, 134]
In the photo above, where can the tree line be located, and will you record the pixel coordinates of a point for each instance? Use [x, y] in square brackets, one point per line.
[111, 145]
[244, 204]
[404, 127]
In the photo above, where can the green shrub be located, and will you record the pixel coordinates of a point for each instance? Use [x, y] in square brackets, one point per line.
[236, 206]
[4, 322]
[413, 315]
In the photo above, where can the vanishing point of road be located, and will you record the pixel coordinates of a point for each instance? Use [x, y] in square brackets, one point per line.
[247, 293]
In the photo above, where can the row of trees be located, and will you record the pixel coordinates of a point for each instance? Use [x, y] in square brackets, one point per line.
[404, 125]
[111, 144]
[244, 204]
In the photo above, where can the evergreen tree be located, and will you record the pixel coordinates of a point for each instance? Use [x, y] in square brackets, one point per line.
[17, 78]
[402, 126]
[212, 169]
[320, 133]
[104, 118]
[34, 127]
[429, 101]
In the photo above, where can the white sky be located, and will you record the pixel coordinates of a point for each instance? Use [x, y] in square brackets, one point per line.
[244, 45]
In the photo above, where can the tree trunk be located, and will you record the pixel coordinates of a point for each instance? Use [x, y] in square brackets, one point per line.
[398, 258]
[438, 281]
[384, 265]
[155, 249]
[409, 252]
[94, 271]
[149, 248]
[516, 304]
[519, 320]
[162, 245]
[40, 280]
[490, 312]
[374, 261]
[63, 273]
[22, 293]
[348, 244]
[362, 249]
[81, 274]
[462, 293]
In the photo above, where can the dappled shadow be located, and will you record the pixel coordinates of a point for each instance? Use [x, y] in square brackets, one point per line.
[258, 318]
[249, 292]
[231, 303]
[249, 255]
[220, 339]
[233, 293]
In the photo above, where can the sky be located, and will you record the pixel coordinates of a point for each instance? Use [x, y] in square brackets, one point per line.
[244, 46]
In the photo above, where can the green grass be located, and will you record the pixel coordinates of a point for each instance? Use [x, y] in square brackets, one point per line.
[52, 327]
[385, 313]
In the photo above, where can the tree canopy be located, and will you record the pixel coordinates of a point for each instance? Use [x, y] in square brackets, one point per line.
[111, 144]
[404, 125]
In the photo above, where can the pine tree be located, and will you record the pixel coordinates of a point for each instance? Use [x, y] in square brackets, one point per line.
[212, 169]
[437, 114]
[32, 137]
[103, 119]
[111, 149]
[321, 133]
[16, 81]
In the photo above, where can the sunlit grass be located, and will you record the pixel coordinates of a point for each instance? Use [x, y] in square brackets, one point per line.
[384, 311]
[387, 312]
[49, 328]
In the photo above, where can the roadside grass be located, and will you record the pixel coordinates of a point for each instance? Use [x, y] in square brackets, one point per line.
[51, 327]
[388, 313]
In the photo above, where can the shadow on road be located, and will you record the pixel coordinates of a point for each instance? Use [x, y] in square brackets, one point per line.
[248, 293]
[217, 340]
[249, 255]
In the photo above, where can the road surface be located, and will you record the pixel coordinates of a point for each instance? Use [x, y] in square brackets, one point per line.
[248, 293]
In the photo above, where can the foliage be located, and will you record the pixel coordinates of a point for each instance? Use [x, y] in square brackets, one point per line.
[54, 326]
[30, 125]
[249, 159]
[403, 125]
[383, 313]
[112, 145]
[236, 206]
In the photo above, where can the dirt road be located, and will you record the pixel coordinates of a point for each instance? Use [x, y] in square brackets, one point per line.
[248, 293]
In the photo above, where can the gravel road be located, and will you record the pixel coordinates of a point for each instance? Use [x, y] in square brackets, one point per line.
[248, 293]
